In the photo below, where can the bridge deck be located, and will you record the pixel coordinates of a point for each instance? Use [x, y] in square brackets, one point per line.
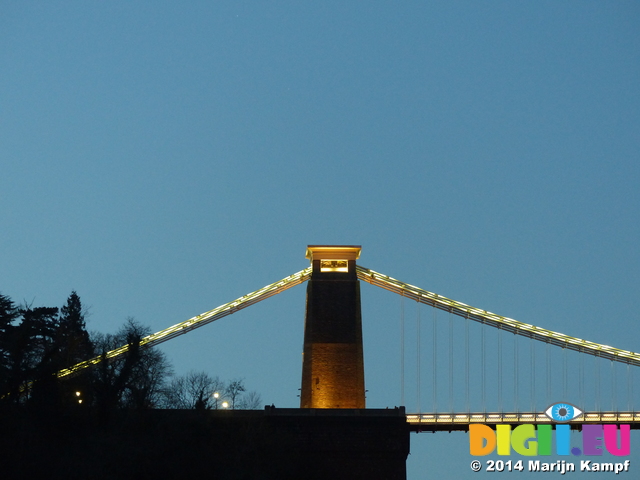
[431, 422]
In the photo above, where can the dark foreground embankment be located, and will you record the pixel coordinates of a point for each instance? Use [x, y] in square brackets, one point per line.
[180, 444]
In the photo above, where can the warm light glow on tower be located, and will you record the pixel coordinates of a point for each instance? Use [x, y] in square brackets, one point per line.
[333, 365]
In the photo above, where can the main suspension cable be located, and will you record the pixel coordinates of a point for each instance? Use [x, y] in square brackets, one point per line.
[496, 321]
[197, 321]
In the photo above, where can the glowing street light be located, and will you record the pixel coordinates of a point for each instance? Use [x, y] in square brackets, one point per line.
[225, 404]
[216, 395]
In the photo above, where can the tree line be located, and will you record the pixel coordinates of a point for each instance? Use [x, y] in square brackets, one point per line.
[36, 343]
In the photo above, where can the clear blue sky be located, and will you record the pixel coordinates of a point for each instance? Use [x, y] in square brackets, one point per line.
[163, 158]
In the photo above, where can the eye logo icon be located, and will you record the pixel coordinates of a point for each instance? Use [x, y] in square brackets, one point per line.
[562, 412]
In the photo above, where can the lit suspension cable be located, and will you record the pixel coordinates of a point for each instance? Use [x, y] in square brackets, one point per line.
[493, 320]
[199, 320]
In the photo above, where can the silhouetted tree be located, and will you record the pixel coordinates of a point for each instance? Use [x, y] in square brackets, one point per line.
[251, 401]
[8, 314]
[111, 376]
[74, 346]
[194, 390]
[74, 338]
[134, 379]
[35, 343]
[234, 392]
[148, 378]
[32, 357]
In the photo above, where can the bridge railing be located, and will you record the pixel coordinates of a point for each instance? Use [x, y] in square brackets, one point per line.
[446, 419]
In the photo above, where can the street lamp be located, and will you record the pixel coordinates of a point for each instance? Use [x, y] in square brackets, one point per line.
[225, 404]
[216, 395]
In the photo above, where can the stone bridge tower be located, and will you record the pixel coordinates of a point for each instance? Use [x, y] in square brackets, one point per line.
[333, 364]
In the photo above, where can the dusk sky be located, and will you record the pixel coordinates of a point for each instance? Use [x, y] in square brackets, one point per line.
[163, 158]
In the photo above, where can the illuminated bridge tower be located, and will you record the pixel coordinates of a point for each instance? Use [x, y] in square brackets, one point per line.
[333, 364]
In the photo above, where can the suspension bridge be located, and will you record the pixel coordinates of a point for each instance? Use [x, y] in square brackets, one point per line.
[532, 356]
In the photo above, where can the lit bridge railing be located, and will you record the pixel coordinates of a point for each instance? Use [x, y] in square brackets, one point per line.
[461, 421]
